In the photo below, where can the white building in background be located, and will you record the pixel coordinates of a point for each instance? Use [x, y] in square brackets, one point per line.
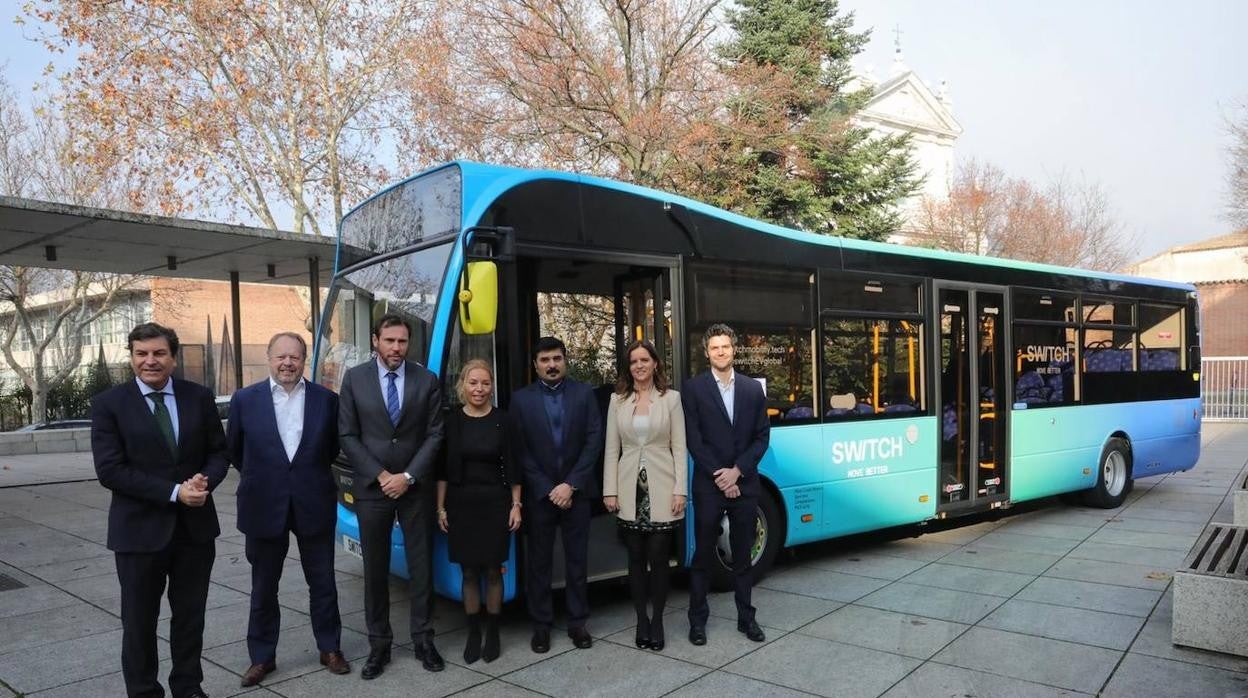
[903, 103]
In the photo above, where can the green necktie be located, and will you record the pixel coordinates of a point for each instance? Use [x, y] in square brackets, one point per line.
[165, 423]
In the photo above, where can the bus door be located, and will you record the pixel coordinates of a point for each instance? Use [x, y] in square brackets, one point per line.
[643, 311]
[971, 392]
[597, 302]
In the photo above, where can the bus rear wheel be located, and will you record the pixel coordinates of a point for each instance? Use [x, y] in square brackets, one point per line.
[768, 535]
[1113, 479]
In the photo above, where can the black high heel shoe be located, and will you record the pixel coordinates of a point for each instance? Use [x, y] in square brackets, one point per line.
[643, 633]
[656, 635]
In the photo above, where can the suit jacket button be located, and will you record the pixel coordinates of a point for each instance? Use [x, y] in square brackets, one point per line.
[394, 441]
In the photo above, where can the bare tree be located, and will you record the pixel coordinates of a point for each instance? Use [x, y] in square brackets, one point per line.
[46, 312]
[1068, 222]
[1237, 174]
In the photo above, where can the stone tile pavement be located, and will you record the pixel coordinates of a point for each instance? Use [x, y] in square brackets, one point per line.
[1047, 600]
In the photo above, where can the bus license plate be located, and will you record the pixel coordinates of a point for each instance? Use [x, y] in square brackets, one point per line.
[352, 546]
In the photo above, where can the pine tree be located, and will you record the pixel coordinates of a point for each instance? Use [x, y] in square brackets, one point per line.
[790, 153]
[99, 377]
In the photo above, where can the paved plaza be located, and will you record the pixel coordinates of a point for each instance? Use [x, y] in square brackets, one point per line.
[1049, 600]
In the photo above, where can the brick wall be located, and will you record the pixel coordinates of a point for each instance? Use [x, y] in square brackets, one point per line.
[1224, 318]
[186, 305]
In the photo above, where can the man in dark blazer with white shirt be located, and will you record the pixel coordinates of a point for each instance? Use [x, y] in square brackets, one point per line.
[158, 446]
[283, 438]
[727, 433]
[559, 439]
[390, 426]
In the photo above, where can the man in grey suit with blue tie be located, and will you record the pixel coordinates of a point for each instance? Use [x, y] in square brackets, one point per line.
[390, 427]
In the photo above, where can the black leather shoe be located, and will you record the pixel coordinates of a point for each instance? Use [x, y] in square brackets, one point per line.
[580, 638]
[375, 664]
[428, 656]
[541, 641]
[697, 634]
[751, 630]
[197, 693]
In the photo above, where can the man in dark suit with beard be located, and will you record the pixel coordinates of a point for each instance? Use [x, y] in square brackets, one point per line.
[283, 438]
[559, 441]
[390, 425]
[158, 446]
[727, 433]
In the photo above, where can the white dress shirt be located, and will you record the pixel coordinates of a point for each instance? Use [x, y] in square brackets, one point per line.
[288, 408]
[727, 391]
[385, 382]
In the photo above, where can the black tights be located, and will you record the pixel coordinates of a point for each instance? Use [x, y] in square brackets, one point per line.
[653, 550]
[493, 589]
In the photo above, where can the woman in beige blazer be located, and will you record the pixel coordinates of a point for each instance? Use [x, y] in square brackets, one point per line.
[645, 478]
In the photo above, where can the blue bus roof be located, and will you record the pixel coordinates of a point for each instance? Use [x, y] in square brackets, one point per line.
[484, 182]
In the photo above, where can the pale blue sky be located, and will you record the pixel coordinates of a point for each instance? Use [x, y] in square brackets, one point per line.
[1132, 95]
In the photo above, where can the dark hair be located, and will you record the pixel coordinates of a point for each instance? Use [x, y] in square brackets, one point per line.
[624, 386]
[391, 320]
[716, 330]
[150, 330]
[549, 344]
[289, 335]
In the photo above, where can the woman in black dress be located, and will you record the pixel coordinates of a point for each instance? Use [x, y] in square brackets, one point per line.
[479, 502]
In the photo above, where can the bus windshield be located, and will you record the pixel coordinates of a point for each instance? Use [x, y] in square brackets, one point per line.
[421, 208]
[407, 284]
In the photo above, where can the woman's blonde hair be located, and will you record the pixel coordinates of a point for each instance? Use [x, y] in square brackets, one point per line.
[461, 386]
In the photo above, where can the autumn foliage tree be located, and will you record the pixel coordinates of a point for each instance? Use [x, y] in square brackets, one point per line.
[276, 110]
[1065, 222]
[611, 87]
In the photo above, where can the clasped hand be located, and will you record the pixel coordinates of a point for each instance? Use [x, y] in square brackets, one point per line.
[726, 480]
[194, 491]
[393, 485]
[561, 496]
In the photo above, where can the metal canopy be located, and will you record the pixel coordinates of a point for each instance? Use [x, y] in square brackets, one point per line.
[60, 236]
[45, 234]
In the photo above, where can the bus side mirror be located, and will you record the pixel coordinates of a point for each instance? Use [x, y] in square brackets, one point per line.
[478, 298]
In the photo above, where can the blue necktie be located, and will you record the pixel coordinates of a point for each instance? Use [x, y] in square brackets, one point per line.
[392, 399]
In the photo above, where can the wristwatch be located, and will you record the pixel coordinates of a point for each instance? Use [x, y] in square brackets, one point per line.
[410, 480]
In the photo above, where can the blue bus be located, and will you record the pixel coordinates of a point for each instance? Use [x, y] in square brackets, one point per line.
[903, 384]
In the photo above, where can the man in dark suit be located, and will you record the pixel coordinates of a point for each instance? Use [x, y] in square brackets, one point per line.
[283, 438]
[727, 432]
[559, 434]
[158, 446]
[390, 425]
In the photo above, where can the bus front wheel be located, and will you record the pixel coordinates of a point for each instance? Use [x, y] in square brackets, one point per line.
[768, 535]
[1113, 479]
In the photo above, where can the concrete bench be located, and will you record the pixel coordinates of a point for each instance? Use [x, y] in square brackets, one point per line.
[1240, 495]
[1211, 592]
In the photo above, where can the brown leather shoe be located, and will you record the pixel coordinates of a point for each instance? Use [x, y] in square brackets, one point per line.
[335, 663]
[256, 673]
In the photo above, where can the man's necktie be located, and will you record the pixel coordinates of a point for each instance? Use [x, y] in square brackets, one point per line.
[392, 398]
[165, 422]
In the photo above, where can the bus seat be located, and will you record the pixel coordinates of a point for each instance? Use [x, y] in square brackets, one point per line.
[949, 423]
[1159, 360]
[800, 412]
[1108, 361]
[1057, 387]
[900, 408]
[1031, 389]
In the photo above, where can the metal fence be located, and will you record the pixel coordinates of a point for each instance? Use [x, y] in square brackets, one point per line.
[1224, 388]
